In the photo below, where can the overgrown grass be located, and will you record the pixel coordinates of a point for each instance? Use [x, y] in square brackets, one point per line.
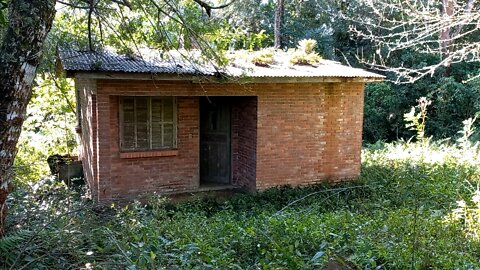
[416, 206]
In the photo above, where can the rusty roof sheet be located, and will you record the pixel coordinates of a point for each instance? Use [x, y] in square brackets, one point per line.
[177, 63]
[108, 61]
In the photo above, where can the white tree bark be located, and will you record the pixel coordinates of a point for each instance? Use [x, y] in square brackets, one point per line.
[20, 50]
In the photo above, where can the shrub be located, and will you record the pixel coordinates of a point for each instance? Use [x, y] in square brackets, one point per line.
[383, 113]
[452, 103]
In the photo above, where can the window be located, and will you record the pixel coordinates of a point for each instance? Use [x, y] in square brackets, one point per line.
[147, 123]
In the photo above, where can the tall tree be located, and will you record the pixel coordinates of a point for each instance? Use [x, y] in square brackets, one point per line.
[29, 22]
[279, 11]
[452, 27]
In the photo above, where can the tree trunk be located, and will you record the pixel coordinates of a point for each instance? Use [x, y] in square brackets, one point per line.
[279, 10]
[28, 25]
[451, 30]
[446, 39]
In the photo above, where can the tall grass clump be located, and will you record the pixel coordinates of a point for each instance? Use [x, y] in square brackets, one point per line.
[415, 206]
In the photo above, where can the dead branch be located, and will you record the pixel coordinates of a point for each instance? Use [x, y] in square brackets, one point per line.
[448, 32]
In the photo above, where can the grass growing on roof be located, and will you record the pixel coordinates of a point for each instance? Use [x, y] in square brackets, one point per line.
[305, 53]
[414, 207]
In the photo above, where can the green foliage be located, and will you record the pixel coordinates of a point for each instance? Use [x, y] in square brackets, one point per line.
[247, 18]
[11, 242]
[48, 128]
[452, 103]
[3, 17]
[467, 213]
[401, 214]
[228, 38]
[307, 45]
[61, 221]
[382, 112]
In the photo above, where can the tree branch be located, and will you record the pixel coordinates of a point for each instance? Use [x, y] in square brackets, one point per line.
[72, 5]
[64, 95]
[89, 21]
[123, 3]
[208, 8]
[467, 11]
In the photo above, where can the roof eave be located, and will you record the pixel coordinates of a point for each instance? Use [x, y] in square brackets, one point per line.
[213, 79]
[127, 75]
[324, 79]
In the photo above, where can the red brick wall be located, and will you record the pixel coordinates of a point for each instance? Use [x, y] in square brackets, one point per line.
[244, 142]
[175, 172]
[306, 133]
[344, 119]
[309, 133]
[88, 153]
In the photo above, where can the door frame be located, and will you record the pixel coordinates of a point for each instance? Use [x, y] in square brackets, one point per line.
[229, 101]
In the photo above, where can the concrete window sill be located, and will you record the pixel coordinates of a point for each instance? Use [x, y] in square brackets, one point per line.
[147, 154]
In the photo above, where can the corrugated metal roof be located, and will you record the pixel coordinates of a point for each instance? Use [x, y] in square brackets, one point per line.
[111, 62]
[154, 62]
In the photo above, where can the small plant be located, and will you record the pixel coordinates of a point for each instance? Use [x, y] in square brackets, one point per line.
[468, 213]
[467, 131]
[307, 45]
[263, 58]
[417, 121]
[305, 54]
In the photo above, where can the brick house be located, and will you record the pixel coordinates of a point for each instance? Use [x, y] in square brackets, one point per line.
[152, 125]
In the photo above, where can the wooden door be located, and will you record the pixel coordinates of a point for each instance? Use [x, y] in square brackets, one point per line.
[215, 140]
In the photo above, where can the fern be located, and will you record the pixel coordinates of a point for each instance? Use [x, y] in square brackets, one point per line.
[10, 245]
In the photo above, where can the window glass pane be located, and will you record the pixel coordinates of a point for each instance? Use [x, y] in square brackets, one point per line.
[156, 135]
[142, 136]
[156, 123]
[128, 110]
[128, 136]
[156, 110]
[142, 119]
[168, 135]
[168, 110]
[141, 109]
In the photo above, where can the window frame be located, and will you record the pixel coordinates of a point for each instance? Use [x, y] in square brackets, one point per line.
[150, 147]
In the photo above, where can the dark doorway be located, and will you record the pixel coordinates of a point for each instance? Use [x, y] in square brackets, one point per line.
[215, 140]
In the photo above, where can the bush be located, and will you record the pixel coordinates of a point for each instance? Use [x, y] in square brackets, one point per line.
[453, 102]
[383, 113]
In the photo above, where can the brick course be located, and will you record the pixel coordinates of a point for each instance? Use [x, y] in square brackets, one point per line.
[282, 133]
